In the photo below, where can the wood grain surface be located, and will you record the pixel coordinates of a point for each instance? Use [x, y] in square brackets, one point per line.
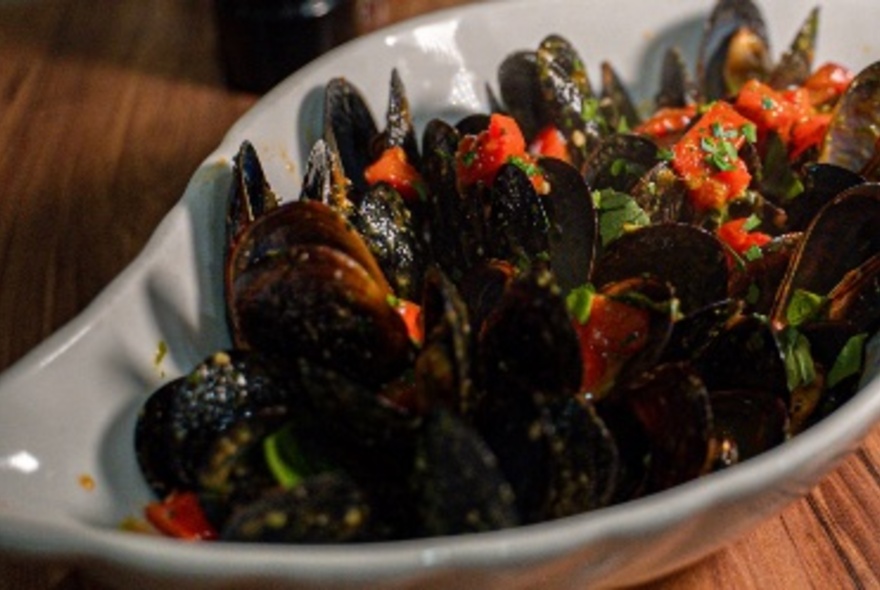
[106, 109]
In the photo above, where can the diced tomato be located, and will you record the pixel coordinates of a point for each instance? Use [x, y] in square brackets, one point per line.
[667, 123]
[827, 83]
[613, 332]
[711, 187]
[479, 157]
[180, 515]
[392, 167]
[808, 133]
[768, 109]
[549, 142]
[735, 234]
[412, 317]
[791, 113]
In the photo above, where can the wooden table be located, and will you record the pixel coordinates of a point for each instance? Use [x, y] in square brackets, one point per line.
[108, 106]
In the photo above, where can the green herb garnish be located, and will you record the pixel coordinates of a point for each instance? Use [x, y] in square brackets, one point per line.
[849, 361]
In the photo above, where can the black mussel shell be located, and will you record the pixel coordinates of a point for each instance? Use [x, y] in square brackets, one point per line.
[734, 48]
[843, 235]
[518, 226]
[746, 355]
[675, 89]
[573, 231]
[350, 127]
[663, 195]
[620, 161]
[528, 343]
[692, 333]
[482, 289]
[671, 404]
[755, 282]
[251, 196]
[796, 64]
[458, 481]
[690, 259]
[316, 302]
[180, 422]
[399, 129]
[443, 365]
[617, 107]
[747, 423]
[822, 182]
[851, 140]
[386, 225]
[325, 180]
[326, 508]
[583, 459]
[521, 92]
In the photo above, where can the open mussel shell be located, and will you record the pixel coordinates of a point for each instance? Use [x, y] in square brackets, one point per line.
[692, 333]
[620, 161]
[821, 182]
[300, 223]
[458, 480]
[663, 195]
[844, 235]
[350, 126]
[746, 423]
[690, 259]
[744, 355]
[317, 302]
[734, 48]
[179, 424]
[528, 344]
[756, 282]
[656, 299]
[671, 404]
[851, 140]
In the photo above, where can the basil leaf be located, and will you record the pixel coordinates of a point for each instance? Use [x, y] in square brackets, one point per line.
[849, 360]
[804, 305]
[618, 213]
[799, 366]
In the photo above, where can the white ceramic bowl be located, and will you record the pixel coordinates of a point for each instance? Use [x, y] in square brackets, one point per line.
[67, 410]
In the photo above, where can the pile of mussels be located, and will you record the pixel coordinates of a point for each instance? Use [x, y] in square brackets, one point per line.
[484, 422]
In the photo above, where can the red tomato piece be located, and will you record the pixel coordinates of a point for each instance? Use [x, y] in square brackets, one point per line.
[180, 515]
[480, 156]
[613, 333]
[741, 240]
[550, 143]
[668, 123]
[706, 158]
[394, 168]
[826, 84]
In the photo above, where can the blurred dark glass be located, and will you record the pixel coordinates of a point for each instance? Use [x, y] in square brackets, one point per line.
[262, 41]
